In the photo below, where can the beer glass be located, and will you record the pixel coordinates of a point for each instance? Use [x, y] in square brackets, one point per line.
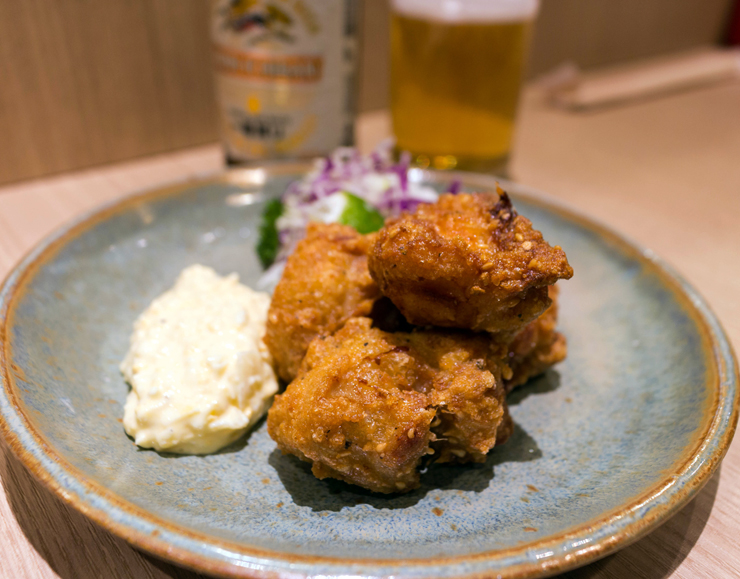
[456, 71]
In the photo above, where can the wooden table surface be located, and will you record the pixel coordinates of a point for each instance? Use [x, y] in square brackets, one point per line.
[665, 172]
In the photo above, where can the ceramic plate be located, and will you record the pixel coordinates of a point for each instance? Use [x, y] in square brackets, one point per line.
[607, 445]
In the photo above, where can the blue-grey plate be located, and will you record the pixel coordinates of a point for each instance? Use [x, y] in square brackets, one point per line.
[607, 445]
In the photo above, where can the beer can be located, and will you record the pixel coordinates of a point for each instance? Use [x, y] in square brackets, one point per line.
[285, 73]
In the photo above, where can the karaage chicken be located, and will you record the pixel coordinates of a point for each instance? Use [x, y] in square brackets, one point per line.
[536, 348]
[368, 405]
[467, 261]
[467, 391]
[325, 282]
[357, 410]
[419, 364]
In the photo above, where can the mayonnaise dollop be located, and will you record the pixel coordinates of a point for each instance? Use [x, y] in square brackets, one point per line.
[199, 371]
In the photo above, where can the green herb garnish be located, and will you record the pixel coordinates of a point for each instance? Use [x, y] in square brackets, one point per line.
[269, 243]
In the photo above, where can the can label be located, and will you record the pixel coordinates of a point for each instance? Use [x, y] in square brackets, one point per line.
[284, 76]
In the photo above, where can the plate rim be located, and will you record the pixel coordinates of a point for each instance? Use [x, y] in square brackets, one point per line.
[722, 415]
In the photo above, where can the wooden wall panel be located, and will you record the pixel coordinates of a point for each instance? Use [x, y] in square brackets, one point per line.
[374, 56]
[595, 33]
[84, 82]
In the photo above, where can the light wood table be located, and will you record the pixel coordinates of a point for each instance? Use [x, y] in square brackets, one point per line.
[664, 172]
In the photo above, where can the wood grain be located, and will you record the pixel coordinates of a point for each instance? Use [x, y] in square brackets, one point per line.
[665, 172]
[595, 33]
[88, 82]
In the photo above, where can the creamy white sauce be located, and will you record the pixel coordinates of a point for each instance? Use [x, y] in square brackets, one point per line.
[199, 371]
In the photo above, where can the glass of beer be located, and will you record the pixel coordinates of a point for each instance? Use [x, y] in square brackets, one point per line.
[456, 71]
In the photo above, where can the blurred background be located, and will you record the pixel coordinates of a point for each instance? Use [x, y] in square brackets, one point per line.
[88, 82]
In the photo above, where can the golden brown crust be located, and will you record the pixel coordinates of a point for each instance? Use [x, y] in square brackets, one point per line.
[325, 282]
[467, 261]
[367, 405]
[467, 391]
[537, 347]
[353, 412]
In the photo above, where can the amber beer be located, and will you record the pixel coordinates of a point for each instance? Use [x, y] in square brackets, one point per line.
[456, 71]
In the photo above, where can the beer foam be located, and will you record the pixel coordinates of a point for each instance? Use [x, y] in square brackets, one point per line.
[468, 11]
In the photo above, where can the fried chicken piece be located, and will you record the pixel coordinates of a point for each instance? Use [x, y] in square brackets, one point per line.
[366, 404]
[534, 349]
[354, 412]
[325, 282]
[537, 347]
[467, 261]
[472, 416]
